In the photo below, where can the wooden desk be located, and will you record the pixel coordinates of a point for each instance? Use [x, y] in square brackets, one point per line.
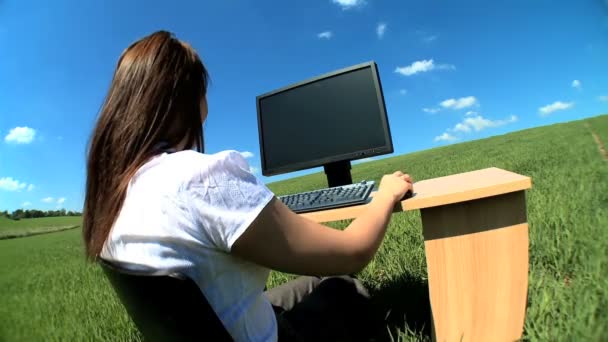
[476, 243]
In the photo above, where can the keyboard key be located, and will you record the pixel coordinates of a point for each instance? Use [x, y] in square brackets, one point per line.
[329, 198]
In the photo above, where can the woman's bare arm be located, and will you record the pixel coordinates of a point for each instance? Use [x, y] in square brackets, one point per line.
[284, 241]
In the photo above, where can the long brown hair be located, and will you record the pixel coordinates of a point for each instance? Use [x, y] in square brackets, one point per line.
[155, 97]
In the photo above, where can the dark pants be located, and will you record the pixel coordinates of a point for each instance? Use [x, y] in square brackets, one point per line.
[323, 309]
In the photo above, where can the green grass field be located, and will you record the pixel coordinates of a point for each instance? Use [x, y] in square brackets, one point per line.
[25, 227]
[49, 293]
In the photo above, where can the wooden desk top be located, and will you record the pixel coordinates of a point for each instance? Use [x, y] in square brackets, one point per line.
[442, 191]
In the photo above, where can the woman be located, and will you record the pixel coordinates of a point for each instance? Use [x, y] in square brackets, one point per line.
[154, 198]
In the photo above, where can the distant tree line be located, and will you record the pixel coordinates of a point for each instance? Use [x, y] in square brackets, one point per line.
[33, 213]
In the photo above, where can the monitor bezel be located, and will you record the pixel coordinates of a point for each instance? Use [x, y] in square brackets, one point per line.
[372, 152]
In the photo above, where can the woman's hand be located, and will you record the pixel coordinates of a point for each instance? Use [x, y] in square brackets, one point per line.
[395, 185]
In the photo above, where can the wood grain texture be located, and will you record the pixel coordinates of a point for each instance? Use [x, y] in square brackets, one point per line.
[442, 191]
[476, 244]
[477, 261]
[474, 216]
[465, 187]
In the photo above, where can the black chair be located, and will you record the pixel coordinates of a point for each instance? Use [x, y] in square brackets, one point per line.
[164, 306]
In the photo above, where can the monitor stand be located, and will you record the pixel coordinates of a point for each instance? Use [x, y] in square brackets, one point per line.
[338, 173]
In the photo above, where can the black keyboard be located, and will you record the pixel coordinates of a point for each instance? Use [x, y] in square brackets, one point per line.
[328, 198]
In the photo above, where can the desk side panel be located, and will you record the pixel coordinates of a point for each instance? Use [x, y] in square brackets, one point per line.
[477, 260]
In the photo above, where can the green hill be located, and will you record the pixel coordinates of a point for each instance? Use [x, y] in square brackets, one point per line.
[26, 227]
[49, 293]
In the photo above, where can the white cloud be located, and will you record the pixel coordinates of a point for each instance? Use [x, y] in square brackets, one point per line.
[445, 137]
[10, 184]
[47, 199]
[557, 105]
[445, 67]
[26, 204]
[460, 103]
[380, 30]
[402, 91]
[471, 113]
[31, 187]
[246, 154]
[424, 65]
[348, 4]
[577, 84]
[429, 39]
[416, 67]
[473, 123]
[61, 200]
[325, 35]
[20, 135]
[431, 110]
[461, 127]
[364, 160]
[603, 98]
[253, 169]
[479, 123]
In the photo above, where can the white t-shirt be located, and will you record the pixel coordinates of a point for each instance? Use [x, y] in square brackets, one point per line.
[183, 212]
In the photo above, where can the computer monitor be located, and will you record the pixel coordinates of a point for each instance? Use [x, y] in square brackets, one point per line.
[326, 121]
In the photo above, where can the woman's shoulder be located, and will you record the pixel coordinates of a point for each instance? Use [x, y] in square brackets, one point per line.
[190, 158]
[192, 165]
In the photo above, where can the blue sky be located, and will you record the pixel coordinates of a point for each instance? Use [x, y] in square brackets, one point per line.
[452, 71]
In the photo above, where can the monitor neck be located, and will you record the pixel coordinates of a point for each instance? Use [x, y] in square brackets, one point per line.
[338, 173]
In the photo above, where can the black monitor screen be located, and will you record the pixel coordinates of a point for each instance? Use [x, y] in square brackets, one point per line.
[332, 118]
